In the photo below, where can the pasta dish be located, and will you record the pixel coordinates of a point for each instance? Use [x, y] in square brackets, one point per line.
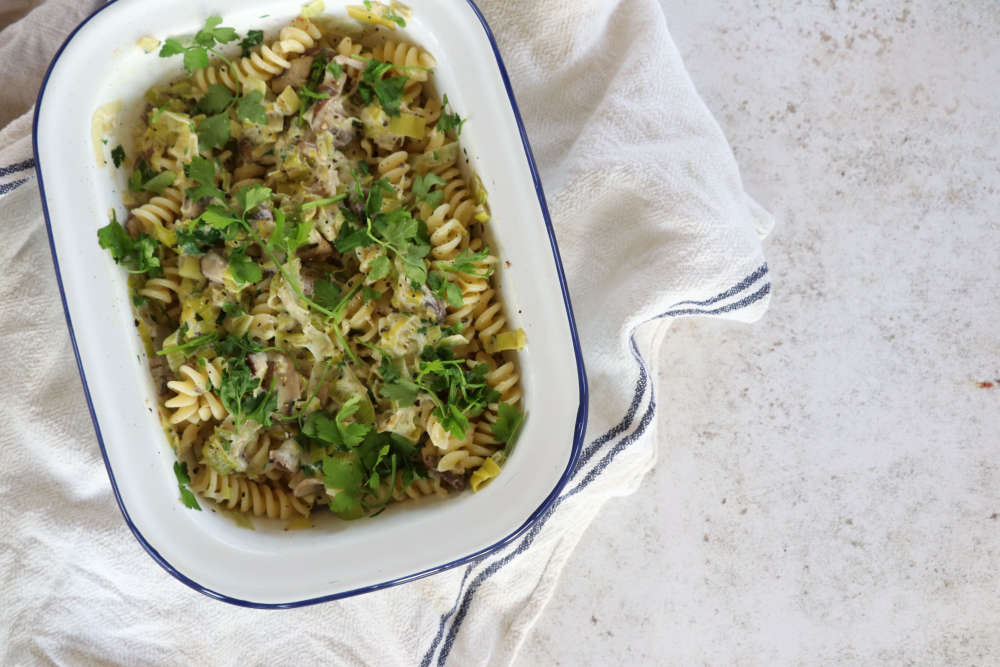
[310, 272]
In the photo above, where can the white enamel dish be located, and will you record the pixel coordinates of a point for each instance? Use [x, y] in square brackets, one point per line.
[100, 63]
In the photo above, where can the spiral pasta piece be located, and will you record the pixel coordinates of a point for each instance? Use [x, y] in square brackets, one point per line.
[506, 380]
[411, 59]
[461, 204]
[395, 168]
[269, 61]
[193, 399]
[264, 62]
[219, 74]
[237, 492]
[159, 212]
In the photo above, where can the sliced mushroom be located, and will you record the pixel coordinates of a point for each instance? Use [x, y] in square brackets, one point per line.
[430, 457]
[191, 209]
[286, 380]
[330, 115]
[258, 364]
[308, 487]
[350, 62]
[287, 455]
[213, 267]
[434, 305]
[454, 481]
[296, 74]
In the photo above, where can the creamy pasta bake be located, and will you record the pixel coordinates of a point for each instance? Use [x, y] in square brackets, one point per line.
[310, 272]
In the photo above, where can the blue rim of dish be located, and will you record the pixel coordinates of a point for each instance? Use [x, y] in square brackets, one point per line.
[581, 415]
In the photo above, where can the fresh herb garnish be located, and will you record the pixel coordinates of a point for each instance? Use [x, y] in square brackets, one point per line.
[251, 108]
[253, 38]
[118, 155]
[509, 420]
[422, 186]
[196, 54]
[213, 131]
[240, 393]
[450, 121]
[232, 309]
[136, 255]
[243, 268]
[388, 91]
[183, 480]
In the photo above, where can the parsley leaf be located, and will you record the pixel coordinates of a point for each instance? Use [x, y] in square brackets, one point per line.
[244, 269]
[343, 473]
[288, 239]
[237, 391]
[449, 121]
[413, 264]
[232, 309]
[213, 32]
[260, 407]
[403, 391]
[352, 433]
[144, 178]
[201, 170]
[118, 155]
[251, 197]
[388, 370]
[422, 189]
[217, 216]
[253, 38]
[320, 426]
[250, 108]
[237, 346]
[181, 473]
[160, 182]
[379, 268]
[373, 202]
[141, 174]
[350, 238]
[115, 239]
[397, 227]
[509, 420]
[466, 263]
[195, 58]
[138, 255]
[388, 91]
[453, 420]
[213, 131]
[445, 289]
[171, 47]
[216, 100]
[326, 293]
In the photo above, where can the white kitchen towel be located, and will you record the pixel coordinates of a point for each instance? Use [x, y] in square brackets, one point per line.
[653, 224]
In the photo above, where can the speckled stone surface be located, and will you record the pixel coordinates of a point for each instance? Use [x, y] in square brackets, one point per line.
[828, 487]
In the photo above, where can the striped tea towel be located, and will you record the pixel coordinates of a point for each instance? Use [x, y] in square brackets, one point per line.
[653, 224]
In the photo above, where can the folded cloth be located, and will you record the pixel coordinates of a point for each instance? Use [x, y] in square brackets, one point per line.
[653, 224]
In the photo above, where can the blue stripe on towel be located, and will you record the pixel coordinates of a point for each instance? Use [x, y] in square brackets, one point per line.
[735, 289]
[464, 601]
[14, 168]
[7, 188]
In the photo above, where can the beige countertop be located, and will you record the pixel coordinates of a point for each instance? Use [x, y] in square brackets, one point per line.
[828, 489]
